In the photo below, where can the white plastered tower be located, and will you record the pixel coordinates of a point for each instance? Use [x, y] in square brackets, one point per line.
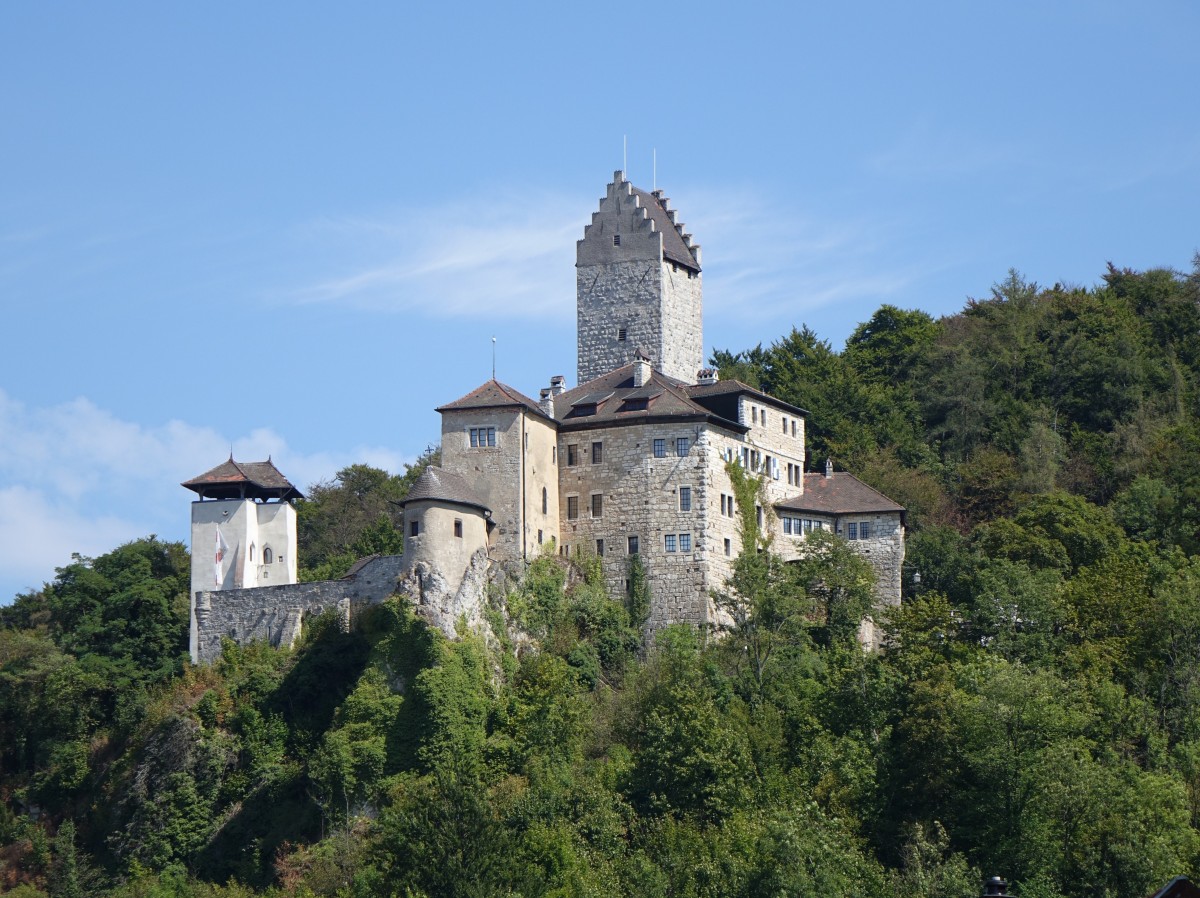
[243, 528]
[638, 286]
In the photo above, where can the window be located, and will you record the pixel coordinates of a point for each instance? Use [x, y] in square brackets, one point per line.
[458, 527]
[764, 417]
[268, 555]
[616, 239]
[660, 448]
[784, 422]
[572, 507]
[572, 455]
[787, 526]
[681, 446]
[414, 528]
[685, 498]
[758, 516]
[545, 501]
[864, 530]
[597, 505]
[685, 542]
[728, 548]
[553, 455]
[669, 542]
[482, 436]
[622, 333]
[600, 547]
[251, 552]
[722, 504]
[633, 545]
[793, 428]
[852, 530]
[754, 413]
[539, 537]
[597, 453]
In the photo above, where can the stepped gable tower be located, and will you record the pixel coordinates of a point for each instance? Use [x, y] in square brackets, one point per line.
[638, 286]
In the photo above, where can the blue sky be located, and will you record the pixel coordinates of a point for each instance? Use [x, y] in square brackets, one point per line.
[294, 228]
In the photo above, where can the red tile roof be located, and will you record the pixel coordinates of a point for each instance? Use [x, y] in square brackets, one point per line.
[840, 493]
[494, 394]
[243, 480]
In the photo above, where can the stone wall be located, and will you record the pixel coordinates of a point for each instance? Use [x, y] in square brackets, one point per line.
[275, 613]
[493, 471]
[436, 543]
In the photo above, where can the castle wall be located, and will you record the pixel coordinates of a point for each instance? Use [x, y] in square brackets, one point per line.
[275, 613]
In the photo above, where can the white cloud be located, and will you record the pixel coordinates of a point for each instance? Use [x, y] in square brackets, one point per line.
[498, 256]
[76, 478]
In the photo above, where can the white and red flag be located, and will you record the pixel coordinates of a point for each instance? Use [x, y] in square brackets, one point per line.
[218, 556]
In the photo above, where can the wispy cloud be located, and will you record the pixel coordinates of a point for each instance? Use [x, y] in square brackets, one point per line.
[927, 151]
[76, 478]
[498, 256]
[769, 264]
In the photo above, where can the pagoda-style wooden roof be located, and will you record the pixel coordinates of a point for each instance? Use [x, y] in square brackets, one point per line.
[243, 480]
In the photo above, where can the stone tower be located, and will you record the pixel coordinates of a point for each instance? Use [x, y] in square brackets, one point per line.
[638, 287]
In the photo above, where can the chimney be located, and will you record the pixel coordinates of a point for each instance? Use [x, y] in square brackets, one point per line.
[828, 467]
[558, 385]
[641, 372]
[707, 376]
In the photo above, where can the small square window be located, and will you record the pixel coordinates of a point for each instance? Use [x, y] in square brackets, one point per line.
[597, 505]
[597, 453]
[414, 528]
[633, 545]
[669, 542]
[458, 527]
[685, 498]
[685, 542]
[681, 446]
[660, 448]
[572, 507]
[572, 455]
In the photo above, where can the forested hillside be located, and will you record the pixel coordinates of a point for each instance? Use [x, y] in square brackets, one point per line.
[1035, 712]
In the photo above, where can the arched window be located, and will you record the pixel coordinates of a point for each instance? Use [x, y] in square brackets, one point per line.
[252, 553]
[268, 555]
[545, 501]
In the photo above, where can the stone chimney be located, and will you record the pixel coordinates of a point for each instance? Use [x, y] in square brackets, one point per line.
[707, 376]
[641, 368]
[829, 467]
[558, 385]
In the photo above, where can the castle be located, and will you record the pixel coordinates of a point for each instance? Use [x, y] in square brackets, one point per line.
[630, 461]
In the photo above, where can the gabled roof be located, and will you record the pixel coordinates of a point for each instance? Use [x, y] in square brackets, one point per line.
[675, 248]
[243, 480]
[1179, 887]
[613, 398]
[701, 392]
[493, 394]
[439, 485]
[840, 493]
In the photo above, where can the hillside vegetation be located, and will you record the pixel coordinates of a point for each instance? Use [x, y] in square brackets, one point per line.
[1035, 713]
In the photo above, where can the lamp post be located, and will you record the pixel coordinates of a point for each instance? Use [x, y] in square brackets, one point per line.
[995, 887]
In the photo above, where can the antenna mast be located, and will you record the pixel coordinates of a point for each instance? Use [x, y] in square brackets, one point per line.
[625, 156]
[493, 357]
[654, 178]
